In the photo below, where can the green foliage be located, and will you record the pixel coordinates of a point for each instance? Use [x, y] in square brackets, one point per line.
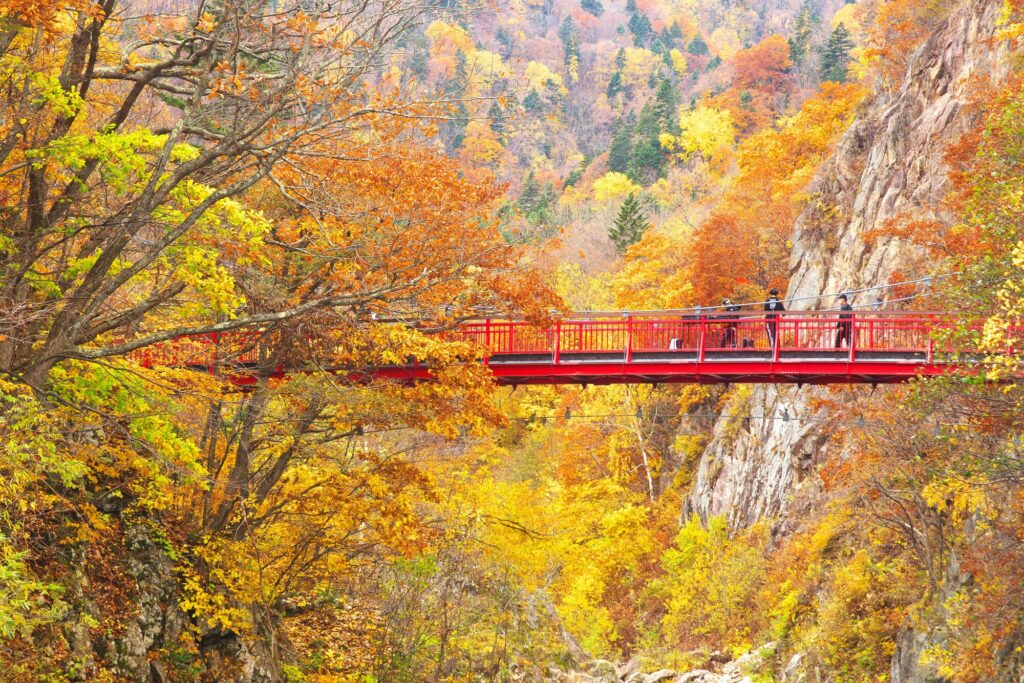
[641, 28]
[537, 203]
[697, 46]
[621, 150]
[630, 224]
[807, 21]
[532, 102]
[570, 35]
[25, 602]
[835, 56]
[593, 7]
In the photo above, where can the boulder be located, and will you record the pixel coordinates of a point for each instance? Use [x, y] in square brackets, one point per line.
[698, 676]
[628, 669]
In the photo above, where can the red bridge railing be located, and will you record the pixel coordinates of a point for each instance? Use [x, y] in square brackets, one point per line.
[720, 333]
[811, 347]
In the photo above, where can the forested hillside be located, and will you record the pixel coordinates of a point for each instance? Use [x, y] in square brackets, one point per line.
[319, 190]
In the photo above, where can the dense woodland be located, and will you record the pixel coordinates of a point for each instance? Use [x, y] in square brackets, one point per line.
[342, 182]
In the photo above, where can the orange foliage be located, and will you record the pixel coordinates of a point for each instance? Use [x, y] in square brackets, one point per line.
[759, 210]
[722, 250]
[766, 65]
[900, 26]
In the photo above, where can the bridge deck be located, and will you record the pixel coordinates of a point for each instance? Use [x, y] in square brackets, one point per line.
[797, 348]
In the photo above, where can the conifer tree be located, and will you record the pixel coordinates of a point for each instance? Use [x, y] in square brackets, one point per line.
[592, 6]
[647, 158]
[570, 36]
[615, 83]
[641, 28]
[497, 116]
[835, 58]
[630, 224]
[806, 22]
[621, 151]
[529, 196]
[666, 104]
[532, 102]
[697, 46]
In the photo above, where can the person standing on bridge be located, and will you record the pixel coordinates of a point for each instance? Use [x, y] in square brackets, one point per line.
[771, 319]
[844, 328]
[729, 334]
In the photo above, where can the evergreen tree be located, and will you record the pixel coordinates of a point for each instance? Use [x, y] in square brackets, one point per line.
[570, 36]
[631, 6]
[807, 21]
[497, 116]
[641, 27]
[532, 102]
[535, 203]
[504, 43]
[529, 196]
[647, 160]
[630, 224]
[835, 57]
[592, 6]
[614, 85]
[667, 39]
[620, 59]
[620, 153]
[666, 105]
[697, 46]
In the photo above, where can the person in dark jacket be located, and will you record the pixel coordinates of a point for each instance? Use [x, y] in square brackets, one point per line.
[844, 328]
[771, 320]
[729, 334]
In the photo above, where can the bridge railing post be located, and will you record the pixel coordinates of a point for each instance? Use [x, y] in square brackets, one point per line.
[780, 329]
[930, 353]
[215, 339]
[487, 334]
[702, 343]
[854, 329]
[557, 351]
[629, 339]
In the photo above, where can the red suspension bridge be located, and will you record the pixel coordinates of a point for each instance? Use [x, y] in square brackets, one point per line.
[625, 348]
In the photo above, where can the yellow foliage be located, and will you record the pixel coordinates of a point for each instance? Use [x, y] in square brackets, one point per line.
[650, 278]
[711, 584]
[640, 63]
[539, 77]
[724, 42]
[678, 62]
[614, 186]
[705, 132]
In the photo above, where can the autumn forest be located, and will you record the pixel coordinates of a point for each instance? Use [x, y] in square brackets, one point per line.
[323, 188]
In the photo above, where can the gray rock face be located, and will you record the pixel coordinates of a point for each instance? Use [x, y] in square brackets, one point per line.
[657, 676]
[159, 619]
[890, 163]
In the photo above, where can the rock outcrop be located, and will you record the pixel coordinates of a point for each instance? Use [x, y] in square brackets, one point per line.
[741, 670]
[889, 163]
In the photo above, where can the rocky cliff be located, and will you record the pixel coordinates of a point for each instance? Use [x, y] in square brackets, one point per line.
[889, 163]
